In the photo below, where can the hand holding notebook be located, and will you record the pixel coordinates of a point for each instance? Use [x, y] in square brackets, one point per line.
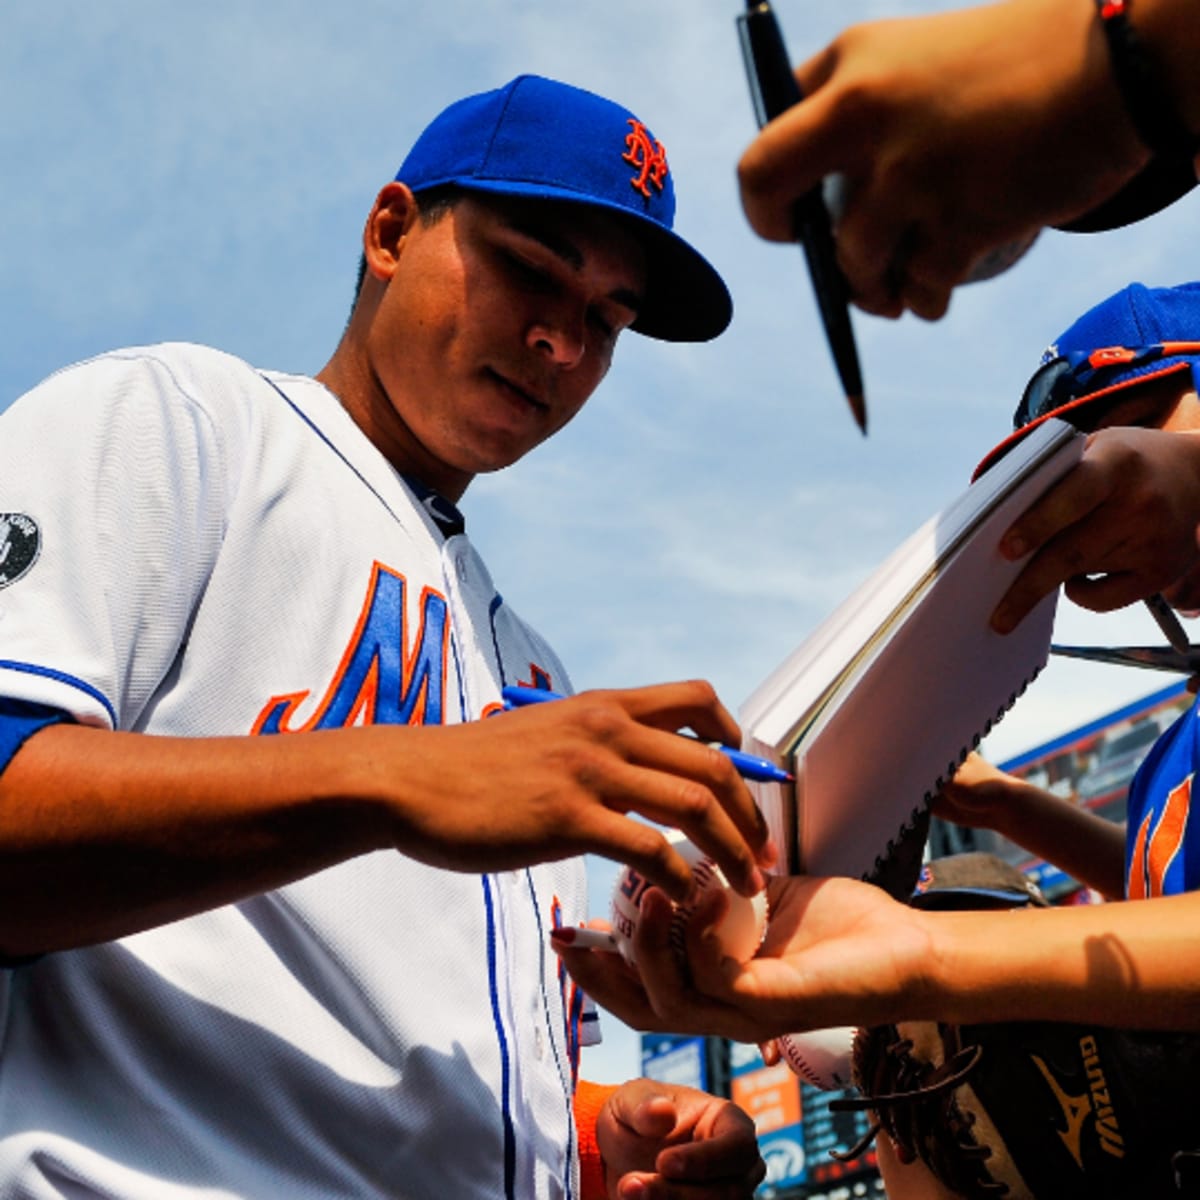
[880, 705]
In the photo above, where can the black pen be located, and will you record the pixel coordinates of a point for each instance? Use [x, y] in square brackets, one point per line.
[774, 90]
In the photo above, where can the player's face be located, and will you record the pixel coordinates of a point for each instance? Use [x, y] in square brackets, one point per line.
[497, 323]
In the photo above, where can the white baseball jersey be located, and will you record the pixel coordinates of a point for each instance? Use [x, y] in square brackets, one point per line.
[193, 547]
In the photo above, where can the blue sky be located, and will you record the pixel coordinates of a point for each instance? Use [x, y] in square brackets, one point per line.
[201, 173]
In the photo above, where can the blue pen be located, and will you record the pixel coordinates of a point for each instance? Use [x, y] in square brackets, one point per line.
[749, 766]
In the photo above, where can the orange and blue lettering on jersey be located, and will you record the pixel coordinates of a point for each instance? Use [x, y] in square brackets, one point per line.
[539, 679]
[388, 675]
[1162, 851]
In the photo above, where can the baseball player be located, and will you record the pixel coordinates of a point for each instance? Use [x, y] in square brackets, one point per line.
[1120, 526]
[248, 653]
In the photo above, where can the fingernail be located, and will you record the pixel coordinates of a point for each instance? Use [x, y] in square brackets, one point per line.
[581, 939]
[1002, 621]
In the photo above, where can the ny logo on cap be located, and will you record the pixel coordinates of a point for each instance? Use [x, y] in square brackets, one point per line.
[648, 155]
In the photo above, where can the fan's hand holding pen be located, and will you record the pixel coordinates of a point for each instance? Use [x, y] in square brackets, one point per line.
[957, 134]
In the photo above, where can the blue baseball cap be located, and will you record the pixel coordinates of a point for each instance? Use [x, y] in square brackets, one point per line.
[546, 140]
[974, 879]
[1138, 333]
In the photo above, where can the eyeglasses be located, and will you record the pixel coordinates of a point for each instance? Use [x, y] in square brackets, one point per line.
[1078, 374]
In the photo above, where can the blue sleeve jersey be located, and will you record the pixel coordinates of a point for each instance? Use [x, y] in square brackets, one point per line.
[20, 720]
[1162, 851]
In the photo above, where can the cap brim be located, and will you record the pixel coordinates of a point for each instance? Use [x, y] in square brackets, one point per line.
[970, 898]
[686, 300]
[1065, 412]
[1159, 184]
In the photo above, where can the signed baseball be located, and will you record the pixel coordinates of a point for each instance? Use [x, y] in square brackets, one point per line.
[822, 1057]
[740, 932]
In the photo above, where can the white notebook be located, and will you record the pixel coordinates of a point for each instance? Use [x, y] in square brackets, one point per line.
[882, 703]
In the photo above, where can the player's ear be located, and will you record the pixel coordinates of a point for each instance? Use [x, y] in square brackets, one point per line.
[391, 217]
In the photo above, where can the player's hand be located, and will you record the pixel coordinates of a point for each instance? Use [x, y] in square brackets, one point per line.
[957, 134]
[837, 952]
[550, 781]
[1117, 528]
[661, 1140]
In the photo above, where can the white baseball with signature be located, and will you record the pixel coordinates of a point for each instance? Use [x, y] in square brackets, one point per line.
[740, 932]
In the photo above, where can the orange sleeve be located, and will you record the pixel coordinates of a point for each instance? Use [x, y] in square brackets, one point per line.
[589, 1100]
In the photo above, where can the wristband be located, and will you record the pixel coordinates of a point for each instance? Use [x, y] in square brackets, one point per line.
[589, 1099]
[1150, 107]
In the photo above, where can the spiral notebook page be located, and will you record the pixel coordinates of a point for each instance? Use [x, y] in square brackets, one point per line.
[890, 693]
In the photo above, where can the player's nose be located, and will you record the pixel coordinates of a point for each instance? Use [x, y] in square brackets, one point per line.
[559, 337]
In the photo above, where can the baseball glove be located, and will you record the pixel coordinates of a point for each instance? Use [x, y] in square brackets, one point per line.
[1030, 1110]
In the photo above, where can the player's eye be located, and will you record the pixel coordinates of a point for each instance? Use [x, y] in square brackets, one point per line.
[600, 322]
[528, 273]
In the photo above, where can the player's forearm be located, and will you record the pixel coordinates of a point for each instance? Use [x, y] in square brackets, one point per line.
[1132, 963]
[1085, 846]
[103, 834]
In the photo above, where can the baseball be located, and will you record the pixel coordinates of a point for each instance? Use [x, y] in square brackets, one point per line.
[822, 1057]
[740, 932]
